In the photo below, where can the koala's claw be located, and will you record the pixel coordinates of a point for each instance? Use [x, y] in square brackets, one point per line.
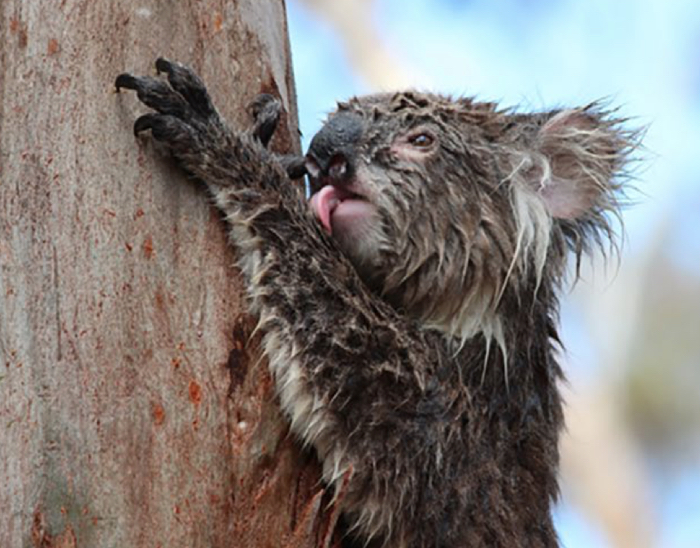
[169, 129]
[266, 111]
[184, 81]
[143, 123]
[184, 95]
[147, 121]
[164, 65]
[184, 112]
[185, 117]
[125, 80]
[156, 94]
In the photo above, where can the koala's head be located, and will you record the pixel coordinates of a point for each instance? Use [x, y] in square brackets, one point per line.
[446, 207]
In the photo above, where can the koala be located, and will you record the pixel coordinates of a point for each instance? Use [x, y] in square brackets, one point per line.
[409, 307]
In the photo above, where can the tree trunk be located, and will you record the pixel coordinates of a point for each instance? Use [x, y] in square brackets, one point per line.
[133, 409]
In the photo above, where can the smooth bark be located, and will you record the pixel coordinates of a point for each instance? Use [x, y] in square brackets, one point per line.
[134, 411]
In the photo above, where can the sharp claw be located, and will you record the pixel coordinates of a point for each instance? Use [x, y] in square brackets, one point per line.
[125, 80]
[163, 65]
[143, 123]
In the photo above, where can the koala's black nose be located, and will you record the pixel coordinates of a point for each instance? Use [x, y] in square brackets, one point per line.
[332, 150]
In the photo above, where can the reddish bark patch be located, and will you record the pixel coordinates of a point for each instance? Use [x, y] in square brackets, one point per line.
[23, 38]
[147, 247]
[195, 392]
[159, 300]
[16, 26]
[158, 414]
[41, 538]
[53, 47]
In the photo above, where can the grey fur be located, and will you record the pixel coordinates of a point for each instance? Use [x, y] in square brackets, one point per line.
[418, 360]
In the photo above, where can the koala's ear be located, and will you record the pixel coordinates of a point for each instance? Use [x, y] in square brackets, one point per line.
[580, 152]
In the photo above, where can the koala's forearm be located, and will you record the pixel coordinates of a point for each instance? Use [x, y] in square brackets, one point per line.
[292, 267]
[352, 392]
[322, 372]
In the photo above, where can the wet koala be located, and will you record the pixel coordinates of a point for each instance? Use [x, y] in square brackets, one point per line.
[409, 308]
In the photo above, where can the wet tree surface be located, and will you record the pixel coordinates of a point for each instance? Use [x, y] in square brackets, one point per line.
[134, 408]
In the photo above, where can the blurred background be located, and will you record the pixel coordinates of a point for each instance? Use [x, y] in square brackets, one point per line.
[631, 456]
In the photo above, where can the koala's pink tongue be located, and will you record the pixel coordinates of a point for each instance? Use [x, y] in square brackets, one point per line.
[323, 203]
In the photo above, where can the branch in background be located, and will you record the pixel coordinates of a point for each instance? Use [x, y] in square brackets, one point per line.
[603, 473]
[366, 50]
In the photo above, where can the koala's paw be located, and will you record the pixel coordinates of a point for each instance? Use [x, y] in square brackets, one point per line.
[266, 110]
[184, 117]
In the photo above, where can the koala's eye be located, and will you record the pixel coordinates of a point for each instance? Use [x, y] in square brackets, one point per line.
[421, 140]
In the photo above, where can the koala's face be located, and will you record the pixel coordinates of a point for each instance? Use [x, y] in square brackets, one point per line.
[438, 201]
[391, 174]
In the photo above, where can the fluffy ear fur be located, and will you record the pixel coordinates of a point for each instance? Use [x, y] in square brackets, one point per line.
[568, 179]
[584, 150]
[577, 163]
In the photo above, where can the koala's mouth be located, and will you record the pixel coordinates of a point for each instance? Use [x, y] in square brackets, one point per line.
[337, 208]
